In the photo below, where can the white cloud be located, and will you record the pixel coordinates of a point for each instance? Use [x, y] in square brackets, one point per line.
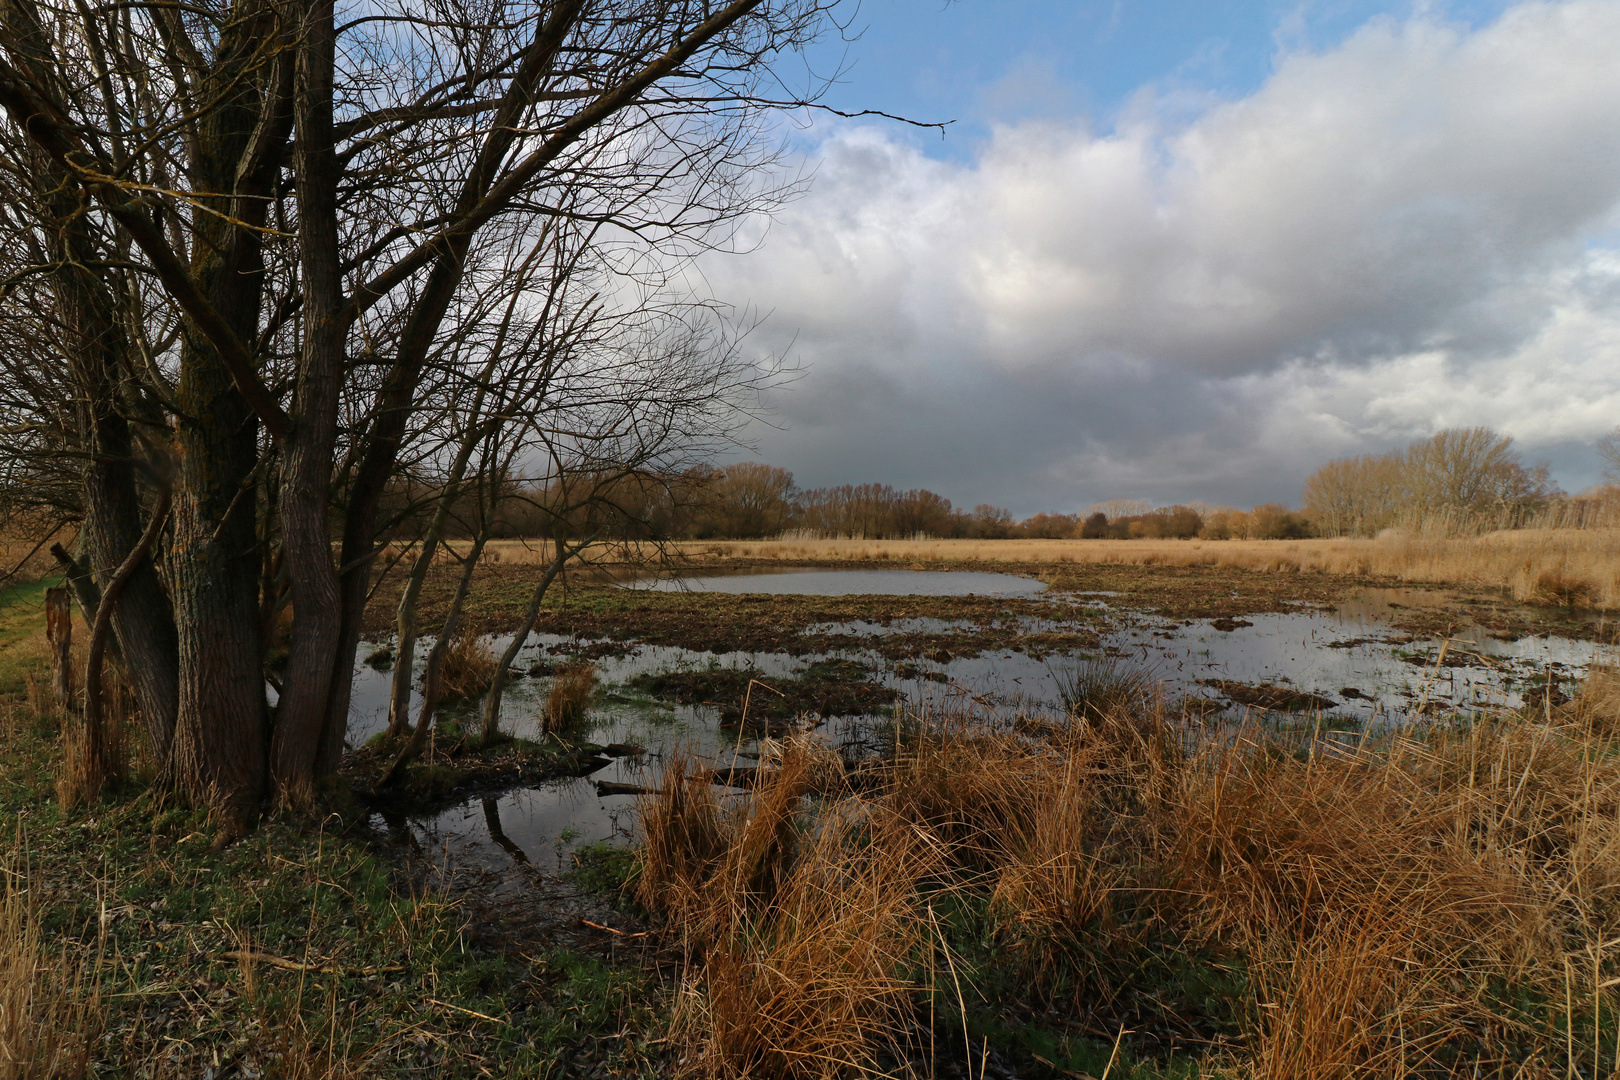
[1388, 237]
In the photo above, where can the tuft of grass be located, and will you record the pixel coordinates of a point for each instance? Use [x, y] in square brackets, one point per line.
[569, 697]
[1102, 687]
[468, 667]
[1440, 902]
[803, 932]
[1558, 586]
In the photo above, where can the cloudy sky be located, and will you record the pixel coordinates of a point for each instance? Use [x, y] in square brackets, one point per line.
[1191, 250]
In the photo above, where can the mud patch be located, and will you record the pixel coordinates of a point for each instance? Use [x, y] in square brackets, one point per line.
[1268, 696]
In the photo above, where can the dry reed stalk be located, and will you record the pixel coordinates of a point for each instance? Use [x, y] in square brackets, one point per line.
[1382, 896]
[467, 668]
[570, 695]
[684, 837]
[1596, 707]
[1347, 1001]
[49, 1009]
[1267, 844]
[804, 929]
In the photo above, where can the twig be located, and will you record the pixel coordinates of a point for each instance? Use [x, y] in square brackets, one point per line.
[253, 956]
[609, 929]
[469, 1012]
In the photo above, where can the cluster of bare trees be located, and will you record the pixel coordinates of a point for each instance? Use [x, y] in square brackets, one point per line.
[264, 259]
[1468, 477]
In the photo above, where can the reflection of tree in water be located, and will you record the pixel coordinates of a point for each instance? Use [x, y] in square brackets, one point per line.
[492, 821]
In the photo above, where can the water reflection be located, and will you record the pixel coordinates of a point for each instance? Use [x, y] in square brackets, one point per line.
[811, 582]
[1372, 672]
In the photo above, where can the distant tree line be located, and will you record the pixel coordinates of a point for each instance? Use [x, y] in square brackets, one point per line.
[1458, 480]
[754, 501]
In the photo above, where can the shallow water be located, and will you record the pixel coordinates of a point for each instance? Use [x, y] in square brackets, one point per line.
[1355, 647]
[811, 582]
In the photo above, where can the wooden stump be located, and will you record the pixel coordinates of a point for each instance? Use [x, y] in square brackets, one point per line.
[59, 633]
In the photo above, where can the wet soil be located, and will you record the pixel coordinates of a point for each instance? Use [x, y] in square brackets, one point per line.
[1268, 696]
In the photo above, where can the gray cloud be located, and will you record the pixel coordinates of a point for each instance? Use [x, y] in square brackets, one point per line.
[1396, 235]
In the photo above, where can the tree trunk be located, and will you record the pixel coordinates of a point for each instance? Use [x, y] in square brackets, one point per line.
[433, 677]
[219, 738]
[59, 633]
[491, 721]
[399, 699]
[306, 541]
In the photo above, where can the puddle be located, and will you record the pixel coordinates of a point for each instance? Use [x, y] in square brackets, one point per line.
[813, 582]
[1353, 656]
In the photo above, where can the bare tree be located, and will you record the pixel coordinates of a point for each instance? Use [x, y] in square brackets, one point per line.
[242, 233]
[1608, 448]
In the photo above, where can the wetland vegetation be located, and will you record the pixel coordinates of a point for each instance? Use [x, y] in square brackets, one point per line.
[839, 842]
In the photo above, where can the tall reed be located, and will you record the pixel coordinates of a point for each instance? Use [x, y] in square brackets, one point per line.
[802, 929]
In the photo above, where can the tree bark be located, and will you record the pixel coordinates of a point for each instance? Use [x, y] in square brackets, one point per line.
[491, 719]
[305, 499]
[59, 634]
[95, 735]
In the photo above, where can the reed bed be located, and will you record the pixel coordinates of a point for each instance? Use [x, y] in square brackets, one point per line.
[1444, 902]
[1572, 567]
[1578, 567]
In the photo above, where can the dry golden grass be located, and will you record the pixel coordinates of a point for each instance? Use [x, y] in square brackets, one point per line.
[1569, 566]
[1577, 567]
[1395, 904]
[569, 697]
[803, 929]
[49, 1010]
[468, 667]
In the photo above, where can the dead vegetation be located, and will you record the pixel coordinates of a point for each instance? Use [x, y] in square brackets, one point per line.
[1569, 567]
[1442, 903]
[49, 1009]
[569, 696]
[468, 667]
